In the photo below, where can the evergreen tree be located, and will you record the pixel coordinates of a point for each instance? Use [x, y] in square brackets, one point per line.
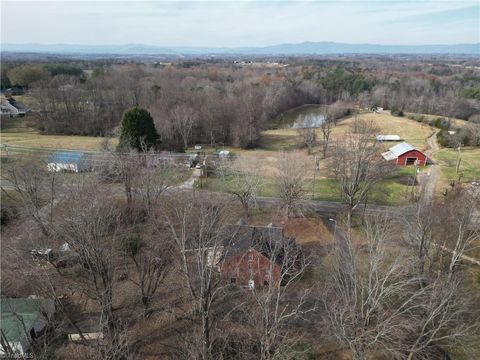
[138, 130]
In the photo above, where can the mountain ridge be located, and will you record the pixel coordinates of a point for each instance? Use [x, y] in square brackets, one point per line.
[303, 48]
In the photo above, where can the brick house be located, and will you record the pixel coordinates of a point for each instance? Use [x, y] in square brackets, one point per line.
[254, 255]
[251, 268]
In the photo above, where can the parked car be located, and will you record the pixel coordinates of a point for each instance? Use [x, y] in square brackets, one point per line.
[66, 261]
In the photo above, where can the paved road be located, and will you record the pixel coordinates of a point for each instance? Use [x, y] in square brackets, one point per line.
[330, 209]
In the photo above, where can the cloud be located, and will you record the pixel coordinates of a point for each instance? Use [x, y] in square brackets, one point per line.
[239, 23]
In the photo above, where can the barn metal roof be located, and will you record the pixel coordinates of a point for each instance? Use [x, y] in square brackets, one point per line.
[397, 150]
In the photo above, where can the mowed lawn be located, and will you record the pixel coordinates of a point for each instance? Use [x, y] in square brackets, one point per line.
[410, 131]
[15, 132]
[392, 191]
[469, 163]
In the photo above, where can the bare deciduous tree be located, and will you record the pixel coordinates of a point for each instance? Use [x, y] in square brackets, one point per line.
[184, 118]
[382, 306]
[90, 227]
[153, 263]
[419, 233]
[198, 231]
[36, 189]
[151, 183]
[291, 181]
[463, 229]
[309, 137]
[272, 309]
[246, 181]
[358, 166]
[326, 128]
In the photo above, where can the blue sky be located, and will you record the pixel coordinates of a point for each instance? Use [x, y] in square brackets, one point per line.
[240, 23]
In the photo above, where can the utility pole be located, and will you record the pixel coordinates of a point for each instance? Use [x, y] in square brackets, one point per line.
[334, 228]
[415, 179]
[315, 169]
[457, 168]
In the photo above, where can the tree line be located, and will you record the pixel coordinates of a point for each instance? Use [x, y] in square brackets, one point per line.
[223, 103]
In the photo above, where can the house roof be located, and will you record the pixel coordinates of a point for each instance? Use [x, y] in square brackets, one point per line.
[18, 314]
[267, 240]
[397, 150]
[67, 157]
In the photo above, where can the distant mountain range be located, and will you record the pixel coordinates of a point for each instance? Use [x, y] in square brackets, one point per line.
[305, 48]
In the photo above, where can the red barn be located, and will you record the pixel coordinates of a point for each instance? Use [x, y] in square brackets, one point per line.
[405, 154]
[251, 268]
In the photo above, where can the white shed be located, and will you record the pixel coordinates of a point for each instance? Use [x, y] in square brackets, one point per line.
[223, 154]
[388, 138]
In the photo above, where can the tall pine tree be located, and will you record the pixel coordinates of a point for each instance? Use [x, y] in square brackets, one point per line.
[138, 130]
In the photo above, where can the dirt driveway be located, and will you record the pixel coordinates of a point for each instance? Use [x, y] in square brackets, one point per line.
[429, 180]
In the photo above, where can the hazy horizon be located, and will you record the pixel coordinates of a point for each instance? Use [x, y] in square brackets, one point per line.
[240, 23]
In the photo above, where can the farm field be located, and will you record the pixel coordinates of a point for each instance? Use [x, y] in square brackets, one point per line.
[393, 191]
[16, 132]
[469, 165]
[409, 130]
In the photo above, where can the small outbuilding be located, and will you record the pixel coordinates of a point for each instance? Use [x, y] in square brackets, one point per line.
[405, 154]
[388, 138]
[73, 161]
[224, 154]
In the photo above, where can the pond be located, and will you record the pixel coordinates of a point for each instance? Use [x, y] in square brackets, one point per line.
[302, 117]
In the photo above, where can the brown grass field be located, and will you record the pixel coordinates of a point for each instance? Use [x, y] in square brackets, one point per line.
[409, 130]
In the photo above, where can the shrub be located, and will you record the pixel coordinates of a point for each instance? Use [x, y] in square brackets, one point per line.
[8, 213]
[397, 111]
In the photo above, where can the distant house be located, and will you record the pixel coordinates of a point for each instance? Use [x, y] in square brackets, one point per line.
[21, 321]
[67, 161]
[388, 138]
[8, 109]
[13, 91]
[405, 154]
[376, 109]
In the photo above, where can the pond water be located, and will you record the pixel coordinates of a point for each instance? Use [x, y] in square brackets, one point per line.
[303, 117]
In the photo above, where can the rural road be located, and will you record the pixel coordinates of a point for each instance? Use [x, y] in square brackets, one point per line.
[330, 209]
[429, 180]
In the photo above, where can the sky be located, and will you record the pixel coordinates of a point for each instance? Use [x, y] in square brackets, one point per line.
[239, 23]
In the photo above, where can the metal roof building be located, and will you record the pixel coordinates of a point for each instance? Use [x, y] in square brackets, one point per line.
[23, 319]
[405, 154]
[67, 161]
[388, 138]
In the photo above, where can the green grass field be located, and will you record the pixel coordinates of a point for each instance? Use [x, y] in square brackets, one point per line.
[17, 132]
[393, 191]
[469, 164]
